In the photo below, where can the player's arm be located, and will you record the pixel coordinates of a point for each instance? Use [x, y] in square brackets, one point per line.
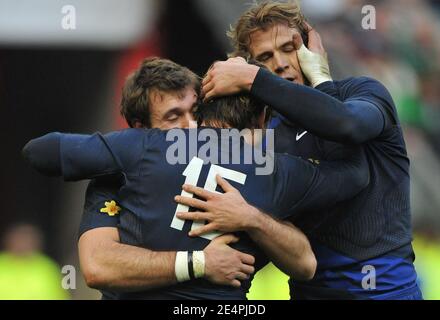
[108, 264]
[306, 187]
[77, 157]
[362, 117]
[328, 183]
[283, 243]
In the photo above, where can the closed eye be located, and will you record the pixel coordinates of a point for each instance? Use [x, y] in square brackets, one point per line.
[264, 57]
[172, 115]
[288, 47]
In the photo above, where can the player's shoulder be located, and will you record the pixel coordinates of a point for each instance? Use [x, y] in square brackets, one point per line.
[363, 82]
[363, 86]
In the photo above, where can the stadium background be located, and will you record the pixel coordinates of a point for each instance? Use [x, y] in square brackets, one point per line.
[53, 79]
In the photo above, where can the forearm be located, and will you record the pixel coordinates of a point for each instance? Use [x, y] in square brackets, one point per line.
[318, 112]
[116, 266]
[285, 245]
[334, 182]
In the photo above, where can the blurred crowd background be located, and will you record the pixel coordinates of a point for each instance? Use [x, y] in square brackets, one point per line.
[52, 79]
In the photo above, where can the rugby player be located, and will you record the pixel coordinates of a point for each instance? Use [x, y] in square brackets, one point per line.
[363, 245]
[150, 183]
[159, 94]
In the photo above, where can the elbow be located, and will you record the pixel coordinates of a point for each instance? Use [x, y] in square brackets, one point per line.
[305, 267]
[26, 152]
[350, 132]
[96, 273]
[94, 276]
[308, 269]
[43, 154]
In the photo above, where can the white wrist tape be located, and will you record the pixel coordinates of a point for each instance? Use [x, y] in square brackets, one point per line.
[181, 266]
[199, 264]
[314, 66]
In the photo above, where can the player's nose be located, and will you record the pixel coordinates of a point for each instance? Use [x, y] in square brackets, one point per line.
[280, 64]
[188, 121]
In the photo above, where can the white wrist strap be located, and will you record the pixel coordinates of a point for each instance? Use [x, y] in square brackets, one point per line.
[189, 266]
[314, 66]
[199, 264]
[181, 266]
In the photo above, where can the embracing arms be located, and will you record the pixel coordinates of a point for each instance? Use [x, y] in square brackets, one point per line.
[108, 264]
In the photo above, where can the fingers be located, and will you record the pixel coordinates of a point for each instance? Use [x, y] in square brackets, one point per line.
[200, 192]
[208, 89]
[191, 202]
[241, 276]
[315, 42]
[235, 283]
[210, 94]
[237, 60]
[196, 216]
[227, 239]
[225, 185]
[308, 28]
[207, 78]
[247, 259]
[247, 269]
[202, 230]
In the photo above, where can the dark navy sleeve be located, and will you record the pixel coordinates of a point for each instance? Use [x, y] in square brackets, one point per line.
[310, 186]
[77, 157]
[364, 115]
[43, 154]
[92, 156]
[99, 192]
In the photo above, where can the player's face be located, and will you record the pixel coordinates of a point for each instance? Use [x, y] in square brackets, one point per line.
[275, 49]
[172, 110]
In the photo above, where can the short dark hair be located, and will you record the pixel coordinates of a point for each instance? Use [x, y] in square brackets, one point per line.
[153, 73]
[239, 111]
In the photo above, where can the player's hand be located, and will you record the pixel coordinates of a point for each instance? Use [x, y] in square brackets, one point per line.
[228, 77]
[225, 265]
[313, 58]
[225, 212]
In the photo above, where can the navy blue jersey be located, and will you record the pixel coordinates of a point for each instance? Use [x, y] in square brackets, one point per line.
[99, 192]
[150, 183]
[373, 228]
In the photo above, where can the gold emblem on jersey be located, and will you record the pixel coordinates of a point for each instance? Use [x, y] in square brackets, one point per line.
[111, 208]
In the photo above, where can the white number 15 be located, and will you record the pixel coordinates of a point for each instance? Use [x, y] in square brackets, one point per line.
[192, 174]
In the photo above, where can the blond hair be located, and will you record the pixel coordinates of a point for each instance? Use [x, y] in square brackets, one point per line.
[261, 16]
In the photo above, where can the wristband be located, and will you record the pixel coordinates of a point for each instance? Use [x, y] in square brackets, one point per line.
[199, 264]
[189, 265]
[181, 266]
